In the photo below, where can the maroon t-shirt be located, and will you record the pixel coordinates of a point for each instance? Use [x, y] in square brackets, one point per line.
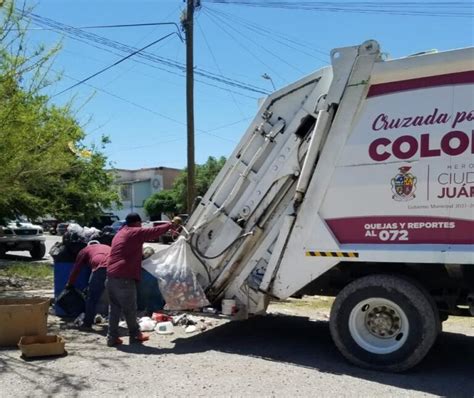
[125, 258]
[94, 256]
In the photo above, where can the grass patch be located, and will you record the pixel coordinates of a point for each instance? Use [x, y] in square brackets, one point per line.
[27, 270]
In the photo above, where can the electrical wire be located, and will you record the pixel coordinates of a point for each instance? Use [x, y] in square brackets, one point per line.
[144, 108]
[461, 9]
[245, 48]
[273, 35]
[262, 47]
[112, 65]
[217, 66]
[167, 64]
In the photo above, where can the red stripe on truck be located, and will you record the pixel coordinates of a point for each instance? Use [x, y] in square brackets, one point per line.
[402, 230]
[422, 82]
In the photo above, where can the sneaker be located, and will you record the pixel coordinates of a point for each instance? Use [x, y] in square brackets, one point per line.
[114, 342]
[140, 338]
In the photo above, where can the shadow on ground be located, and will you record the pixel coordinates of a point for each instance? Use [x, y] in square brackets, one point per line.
[447, 370]
[30, 373]
[15, 257]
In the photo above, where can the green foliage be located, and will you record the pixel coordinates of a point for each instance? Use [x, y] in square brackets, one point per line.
[46, 169]
[173, 201]
[161, 202]
[205, 175]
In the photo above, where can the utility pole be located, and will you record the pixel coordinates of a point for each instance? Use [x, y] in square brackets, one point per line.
[188, 26]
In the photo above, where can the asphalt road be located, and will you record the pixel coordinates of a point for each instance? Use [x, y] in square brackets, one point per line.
[50, 241]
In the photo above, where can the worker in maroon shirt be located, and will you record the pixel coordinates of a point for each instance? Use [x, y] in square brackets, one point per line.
[95, 257]
[123, 274]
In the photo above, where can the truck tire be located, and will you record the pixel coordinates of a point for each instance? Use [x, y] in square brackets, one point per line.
[384, 322]
[38, 251]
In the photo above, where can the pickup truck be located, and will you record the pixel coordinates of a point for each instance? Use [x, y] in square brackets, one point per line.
[19, 236]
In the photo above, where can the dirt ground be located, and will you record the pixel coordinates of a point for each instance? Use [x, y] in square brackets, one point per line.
[288, 352]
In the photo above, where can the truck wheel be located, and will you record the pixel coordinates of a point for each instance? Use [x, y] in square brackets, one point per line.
[38, 251]
[384, 322]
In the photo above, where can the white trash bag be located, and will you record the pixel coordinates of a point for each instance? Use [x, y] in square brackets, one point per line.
[177, 281]
[146, 324]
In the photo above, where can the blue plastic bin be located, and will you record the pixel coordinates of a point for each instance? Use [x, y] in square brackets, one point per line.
[148, 293]
[61, 275]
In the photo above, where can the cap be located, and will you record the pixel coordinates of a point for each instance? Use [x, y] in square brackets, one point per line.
[177, 220]
[133, 218]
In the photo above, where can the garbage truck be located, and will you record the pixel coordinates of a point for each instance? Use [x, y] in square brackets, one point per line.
[356, 182]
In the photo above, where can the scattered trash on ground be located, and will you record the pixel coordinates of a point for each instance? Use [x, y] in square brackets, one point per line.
[79, 321]
[164, 328]
[190, 329]
[98, 319]
[146, 324]
[160, 317]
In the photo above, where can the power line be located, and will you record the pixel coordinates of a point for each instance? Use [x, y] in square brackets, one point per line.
[217, 65]
[273, 35]
[462, 9]
[131, 25]
[101, 42]
[262, 47]
[144, 108]
[218, 24]
[114, 64]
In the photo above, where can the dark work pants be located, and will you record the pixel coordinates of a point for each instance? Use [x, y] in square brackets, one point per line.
[122, 299]
[96, 288]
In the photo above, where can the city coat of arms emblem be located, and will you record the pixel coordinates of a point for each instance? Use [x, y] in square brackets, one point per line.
[404, 185]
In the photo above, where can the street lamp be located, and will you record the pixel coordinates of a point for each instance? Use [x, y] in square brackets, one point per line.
[268, 77]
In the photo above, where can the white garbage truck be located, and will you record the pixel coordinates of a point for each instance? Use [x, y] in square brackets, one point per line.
[357, 182]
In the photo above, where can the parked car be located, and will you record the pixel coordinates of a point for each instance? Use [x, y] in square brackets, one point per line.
[104, 220]
[18, 235]
[117, 225]
[62, 227]
[50, 225]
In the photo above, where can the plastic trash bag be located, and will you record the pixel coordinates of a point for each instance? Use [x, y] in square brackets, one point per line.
[146, 324]
[177, 281]
[74, 228]
[71, 301]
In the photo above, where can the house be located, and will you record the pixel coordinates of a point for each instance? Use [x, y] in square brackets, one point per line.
[136, 186]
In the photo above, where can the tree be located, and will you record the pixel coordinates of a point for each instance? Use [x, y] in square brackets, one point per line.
[161, 202]
[46, 168]
[205, 175]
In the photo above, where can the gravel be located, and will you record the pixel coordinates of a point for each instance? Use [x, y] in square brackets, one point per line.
[282, 354]
[288, 353]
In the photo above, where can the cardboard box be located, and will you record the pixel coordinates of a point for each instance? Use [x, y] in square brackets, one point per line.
[22, 317]
[41, 346]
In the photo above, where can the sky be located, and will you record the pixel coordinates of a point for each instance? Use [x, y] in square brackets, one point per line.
[141, 104]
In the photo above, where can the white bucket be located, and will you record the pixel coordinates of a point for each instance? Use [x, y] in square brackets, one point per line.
[228, 307]
[164, 328]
